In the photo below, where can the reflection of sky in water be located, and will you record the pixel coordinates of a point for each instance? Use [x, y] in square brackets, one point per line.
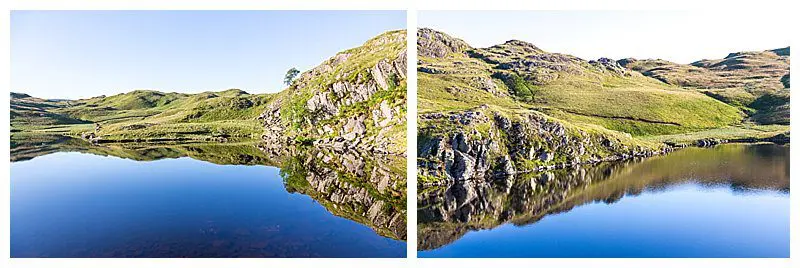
[685, 220]
[711, 186]
[72, 204]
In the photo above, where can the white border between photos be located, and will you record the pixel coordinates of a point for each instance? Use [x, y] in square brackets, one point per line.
[714, 7]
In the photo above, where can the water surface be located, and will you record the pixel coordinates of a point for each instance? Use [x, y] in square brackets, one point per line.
[727, 201]
[71, 204]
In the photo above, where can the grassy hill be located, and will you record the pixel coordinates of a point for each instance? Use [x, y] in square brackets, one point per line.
[621, 108]
[144, 115]
[518, 75]
[756, 82]
[357, 98]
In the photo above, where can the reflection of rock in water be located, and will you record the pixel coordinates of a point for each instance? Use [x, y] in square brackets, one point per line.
[366, 188]
[473, 205]
[447, 213]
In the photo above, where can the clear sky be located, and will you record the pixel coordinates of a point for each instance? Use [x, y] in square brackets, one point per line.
[80, 54]
[678, 36]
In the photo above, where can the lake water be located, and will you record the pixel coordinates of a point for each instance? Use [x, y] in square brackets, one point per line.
[71, 204]
[728, 201]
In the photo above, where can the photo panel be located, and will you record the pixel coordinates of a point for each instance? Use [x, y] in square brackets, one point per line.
[602, 134]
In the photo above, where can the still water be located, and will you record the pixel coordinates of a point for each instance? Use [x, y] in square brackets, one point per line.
[70, 204]
[727, 201]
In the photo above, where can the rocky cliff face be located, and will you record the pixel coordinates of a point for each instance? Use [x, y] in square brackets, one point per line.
[484, 145]
[354, 100]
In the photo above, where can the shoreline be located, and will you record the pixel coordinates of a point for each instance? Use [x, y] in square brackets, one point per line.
[702, 143]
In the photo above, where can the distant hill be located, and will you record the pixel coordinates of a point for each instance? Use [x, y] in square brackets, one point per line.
[754, 70]
[740, 79]
[29, 110]
[140, 106]
[19, 95]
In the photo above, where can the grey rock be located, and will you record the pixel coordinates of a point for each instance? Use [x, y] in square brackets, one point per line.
[459, 142]
[463, 167]
[354, 128]
[321, 102]
[386, 112]
[434, 44]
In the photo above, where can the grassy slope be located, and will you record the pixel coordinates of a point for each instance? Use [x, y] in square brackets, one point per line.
[623, 101]
[756, 82]
[151, 114]
[633, 104]
[636, 105]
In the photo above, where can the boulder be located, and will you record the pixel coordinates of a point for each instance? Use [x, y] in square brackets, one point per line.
[386, 111]
[463, 167]
[354, 128]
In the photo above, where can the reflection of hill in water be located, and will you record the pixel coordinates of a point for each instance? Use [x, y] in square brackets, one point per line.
[447, 213]
[369, 189]
[218, 153]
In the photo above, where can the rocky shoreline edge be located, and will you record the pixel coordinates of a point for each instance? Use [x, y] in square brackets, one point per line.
[780, 139]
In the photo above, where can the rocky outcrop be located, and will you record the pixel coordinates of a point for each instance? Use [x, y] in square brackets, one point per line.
[609, 65]
[342, 126]
[525, 143]
[275, 128]
[435, 44]
[337, 105]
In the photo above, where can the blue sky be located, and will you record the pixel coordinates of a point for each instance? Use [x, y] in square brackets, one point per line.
[678, 36]
[80, 54]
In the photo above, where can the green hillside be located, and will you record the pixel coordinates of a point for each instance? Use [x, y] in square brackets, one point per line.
[756, 82]
[518, 74]
[519, 107]
[144, 115]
